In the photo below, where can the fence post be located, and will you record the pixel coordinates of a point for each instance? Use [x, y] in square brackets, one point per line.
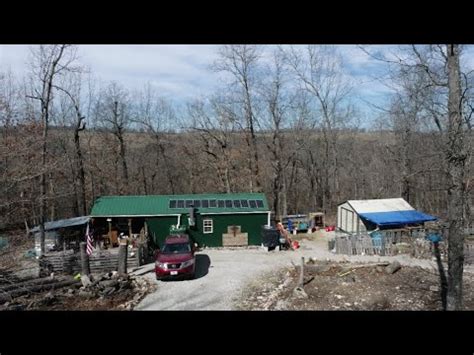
[301, 280]
[85, 265]
[122, 257]
[140, 254]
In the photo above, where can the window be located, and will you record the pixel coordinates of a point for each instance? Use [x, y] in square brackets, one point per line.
[220, 203]
[228, 203]
[244, 203]
[180, 203]
[197, 203]
[207, 226]
[176, 248]
[259, 203]
[252, 204]
[189, 203]
[237, 203]
[205, 203]
[172, 203]
[212, 203]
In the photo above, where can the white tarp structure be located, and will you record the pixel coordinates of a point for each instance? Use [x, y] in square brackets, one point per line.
[358, 216]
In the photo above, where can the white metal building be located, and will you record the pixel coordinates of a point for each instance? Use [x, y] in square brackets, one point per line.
[358, 216]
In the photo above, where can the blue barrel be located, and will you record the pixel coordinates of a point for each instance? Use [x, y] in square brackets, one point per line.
[377, 238]
[434, 237]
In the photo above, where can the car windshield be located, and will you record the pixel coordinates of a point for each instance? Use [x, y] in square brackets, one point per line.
[176, 248]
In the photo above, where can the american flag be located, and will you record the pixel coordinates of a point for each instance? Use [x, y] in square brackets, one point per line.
[90, 240]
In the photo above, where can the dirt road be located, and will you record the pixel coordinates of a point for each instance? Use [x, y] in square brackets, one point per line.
[221, 275]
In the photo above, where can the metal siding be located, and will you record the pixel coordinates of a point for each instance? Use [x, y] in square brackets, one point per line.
[340, 222]
[159, 228]
[250, 223]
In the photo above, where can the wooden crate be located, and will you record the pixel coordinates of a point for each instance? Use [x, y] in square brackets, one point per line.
[229, 239]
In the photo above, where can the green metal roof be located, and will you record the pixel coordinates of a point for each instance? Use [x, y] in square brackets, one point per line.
[153, 205]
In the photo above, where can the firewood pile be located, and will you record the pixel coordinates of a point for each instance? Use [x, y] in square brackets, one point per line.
[96, 291]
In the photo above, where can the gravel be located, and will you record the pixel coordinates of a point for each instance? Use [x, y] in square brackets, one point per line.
[221, 284]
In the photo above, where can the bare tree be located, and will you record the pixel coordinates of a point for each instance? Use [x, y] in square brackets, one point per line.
[241, 62]
[157, 116]
[319, 69]
[72, 90]
[215, 126]
[276, 123]
[456, 156]
[439, 68]
[47, 63]
[113, 110]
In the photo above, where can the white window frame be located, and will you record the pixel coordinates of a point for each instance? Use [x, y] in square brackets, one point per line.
[205, 228]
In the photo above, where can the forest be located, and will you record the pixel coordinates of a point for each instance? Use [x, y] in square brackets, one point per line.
[284, 122]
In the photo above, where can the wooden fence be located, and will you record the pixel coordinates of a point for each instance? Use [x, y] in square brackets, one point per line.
[68, 262]
[393, 243]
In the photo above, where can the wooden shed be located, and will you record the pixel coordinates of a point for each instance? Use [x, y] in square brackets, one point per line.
[212, 219]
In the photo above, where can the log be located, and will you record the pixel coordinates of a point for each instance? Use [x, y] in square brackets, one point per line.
[8, 296]
[393, 267]
[26, 284]
[122, 260]
[85, 266]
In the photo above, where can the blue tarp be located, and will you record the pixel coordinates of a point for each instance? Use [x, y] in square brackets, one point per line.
[397, 218]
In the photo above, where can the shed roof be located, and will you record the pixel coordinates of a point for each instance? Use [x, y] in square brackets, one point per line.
[63, 223]
[156, 205]
[380, 205]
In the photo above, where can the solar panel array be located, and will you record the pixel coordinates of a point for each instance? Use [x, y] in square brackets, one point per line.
[216, 204]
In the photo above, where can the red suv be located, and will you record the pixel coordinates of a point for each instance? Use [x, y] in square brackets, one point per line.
[176, 258]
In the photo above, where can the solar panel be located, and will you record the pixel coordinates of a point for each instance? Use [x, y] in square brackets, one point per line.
[205, 203]
[244, 203]
[252, 204]
[220, 203]
[212, 203]
[228, 203]
[172, 203]
[180, 203]
[237, 203]
[197, 203]
[259, 203]
[189, 203]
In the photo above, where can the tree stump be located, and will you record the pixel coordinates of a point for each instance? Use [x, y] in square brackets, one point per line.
[122, 258]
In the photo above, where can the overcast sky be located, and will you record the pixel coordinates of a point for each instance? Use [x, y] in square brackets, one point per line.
[182, 71]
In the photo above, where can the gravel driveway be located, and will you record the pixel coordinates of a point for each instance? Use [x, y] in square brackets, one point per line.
[221, 275]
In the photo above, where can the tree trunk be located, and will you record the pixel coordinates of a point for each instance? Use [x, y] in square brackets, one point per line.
[124, 163]
[167, 165]
[145, 187]
[80, 167]
[45, 99]
[455, 163]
